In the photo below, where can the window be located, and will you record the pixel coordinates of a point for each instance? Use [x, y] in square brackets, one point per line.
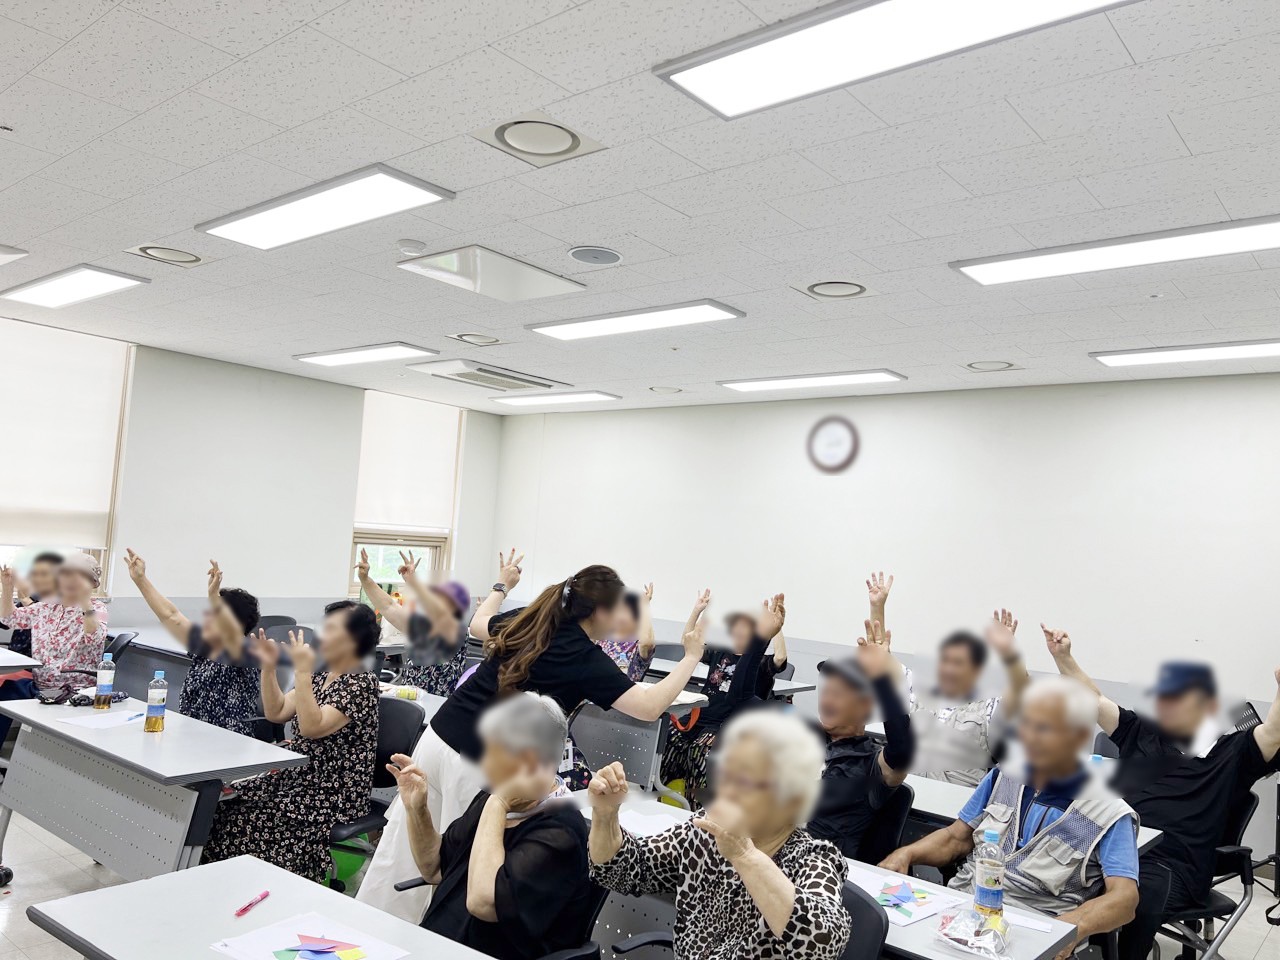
[19, 556]
[384, 556]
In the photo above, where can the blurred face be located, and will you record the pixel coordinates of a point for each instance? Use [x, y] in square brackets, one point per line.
[1052, 744]
[1181, 714]
[73, 588]
[600, 624]
[336, 644]
[624, 622]
[498, 764]
[44, 579]
[740, 634]
[843, 711]
[744, 777]
[957, 674]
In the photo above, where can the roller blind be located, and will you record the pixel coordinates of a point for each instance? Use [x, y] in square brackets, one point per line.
[60, 393]
[408, 455]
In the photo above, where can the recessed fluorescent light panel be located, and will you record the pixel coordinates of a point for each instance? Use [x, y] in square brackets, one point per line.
[551, 399]
[847, 42]
[357, 197]
[376, 353]
[1191, 243]
[10, 254]
[816, 381]
[1243, 350]
[73, 285]
[634, 321]
[493, 274]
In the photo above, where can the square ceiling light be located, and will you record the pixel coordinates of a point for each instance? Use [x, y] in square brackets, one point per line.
[636, 321]
[357, 197]
[374, 353]
[10, 254]
[1193, 353]
[844, 43]
[73, 285]
[492, 274]
[1166, 246]
[552, 399]
[814, 381]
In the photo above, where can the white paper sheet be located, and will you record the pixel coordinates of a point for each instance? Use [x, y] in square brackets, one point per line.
[1031, 923]
[873, 883]
[261, 944]
[104, 719]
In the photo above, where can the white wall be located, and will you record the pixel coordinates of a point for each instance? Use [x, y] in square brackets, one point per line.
[408, 461]
[1143, 517]
[253, 468]
[479, 449]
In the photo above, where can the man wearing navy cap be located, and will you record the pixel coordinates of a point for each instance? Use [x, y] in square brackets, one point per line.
[1180, 776]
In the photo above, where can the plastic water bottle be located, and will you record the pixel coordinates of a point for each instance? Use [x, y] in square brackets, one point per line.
[106, 683]
[988, 879]
[157, 695]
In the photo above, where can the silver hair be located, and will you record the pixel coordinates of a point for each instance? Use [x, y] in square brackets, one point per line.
[1079, 703]
[794, 750]
[527, 721]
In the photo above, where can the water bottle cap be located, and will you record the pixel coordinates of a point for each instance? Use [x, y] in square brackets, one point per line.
[159, 674]
[1095, 758]
[106, 656]
[991, 836]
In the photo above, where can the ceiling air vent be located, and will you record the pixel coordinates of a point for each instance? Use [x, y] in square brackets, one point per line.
[483, 375]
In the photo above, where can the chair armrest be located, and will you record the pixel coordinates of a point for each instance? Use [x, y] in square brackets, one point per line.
[1238, 860]
[588, 951]
[654, 938]
[413, 884]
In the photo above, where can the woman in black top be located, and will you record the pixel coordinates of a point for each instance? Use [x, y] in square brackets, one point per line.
[549, 647]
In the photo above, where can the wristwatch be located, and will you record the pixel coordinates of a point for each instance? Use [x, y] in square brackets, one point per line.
[500, 587]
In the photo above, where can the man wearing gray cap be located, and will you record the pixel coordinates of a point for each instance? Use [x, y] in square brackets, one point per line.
[859, 775]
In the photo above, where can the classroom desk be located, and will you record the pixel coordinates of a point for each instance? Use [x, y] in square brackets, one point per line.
[140, 803]
[939, 802]
[182, 914]
[11, 662]
[781, 688]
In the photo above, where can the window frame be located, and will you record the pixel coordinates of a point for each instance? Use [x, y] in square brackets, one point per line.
[433, 545]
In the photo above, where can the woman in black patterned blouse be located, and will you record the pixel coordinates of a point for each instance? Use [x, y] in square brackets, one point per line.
[748, 881]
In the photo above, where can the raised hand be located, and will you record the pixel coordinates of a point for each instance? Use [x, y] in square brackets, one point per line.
[362, 565]
[724, 821]
[215, 580]
[136, 566]
[410, 780]
[509, 568]
[701, 602]
[608, 788]
[695, 643]
[873, 650]
[773, 614]
[7, 579]
[408, 568]
[300, 652]
[1058, 642]
[647, 594]
[264, 649]
[1000, 632]
[878, 587]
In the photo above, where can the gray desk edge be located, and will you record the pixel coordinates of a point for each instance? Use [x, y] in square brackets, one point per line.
[63, 935]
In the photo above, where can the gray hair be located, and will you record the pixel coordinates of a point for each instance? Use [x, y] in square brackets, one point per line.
[795, 754]
[527, 721]
[1079, 703]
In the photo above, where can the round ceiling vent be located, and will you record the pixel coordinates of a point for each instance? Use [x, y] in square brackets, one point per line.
[836, 289]
[169, 255]
[537, 137]
[665, 390]
[600, 256]
[989, 366]
[476, 339]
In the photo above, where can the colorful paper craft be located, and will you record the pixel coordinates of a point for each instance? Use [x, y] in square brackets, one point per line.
[319, 948]
[901, 896]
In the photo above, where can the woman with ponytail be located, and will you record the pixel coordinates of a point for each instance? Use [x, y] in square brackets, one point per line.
[550, 647]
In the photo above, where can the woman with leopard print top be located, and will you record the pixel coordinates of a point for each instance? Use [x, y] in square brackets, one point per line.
[747, 881]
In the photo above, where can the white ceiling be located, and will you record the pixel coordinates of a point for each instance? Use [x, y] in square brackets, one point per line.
[133, 121]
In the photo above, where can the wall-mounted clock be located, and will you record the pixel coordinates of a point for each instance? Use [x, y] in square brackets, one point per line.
[833, 444]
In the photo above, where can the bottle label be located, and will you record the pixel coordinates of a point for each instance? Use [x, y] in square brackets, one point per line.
[155, 702]
[988, 898]
[106, 680]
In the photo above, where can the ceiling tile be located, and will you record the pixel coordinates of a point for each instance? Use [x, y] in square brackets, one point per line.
[996, 209]
[239, 181]
[1069, 51]
[843, 238]
[131, 61]
[869, 198]
[987, 242]
[18, 161]
[96, 235]
[1160, 273]
[1162, 28]
[744, 224]
[52, 118]
[778, 176]
[629, 109]
[192, 130]
[578, 224]
[298, 78]
[606, 40]
[489, 204]
[607, 173]
[21, 49]
[1148, 217]
[111, 170]
[1237, 123]
[59, 18]
[414, 37]
[1254, 200]
[717, 143]
[459, 164]
[49, 202]
[334, 144]
[162, 211]
[478, 88]
[236, 28]
[1185, 177]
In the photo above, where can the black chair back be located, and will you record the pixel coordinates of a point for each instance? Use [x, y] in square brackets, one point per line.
[787, 672]
[117, 643]
[884, 833]
[598, 896]
[668, 651]
[274, 620]
[870, 924]
[1104, 746]
[399, 726]
[280, 633]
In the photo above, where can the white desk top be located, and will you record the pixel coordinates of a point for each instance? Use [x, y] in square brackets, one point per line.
[187, 911]
[188, 751]
[11, 662]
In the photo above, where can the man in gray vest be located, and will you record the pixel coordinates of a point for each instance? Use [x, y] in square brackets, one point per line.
[958, 733]
[1069, 843]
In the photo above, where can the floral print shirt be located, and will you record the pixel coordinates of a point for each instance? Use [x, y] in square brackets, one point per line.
[623, 651]
[59, 642]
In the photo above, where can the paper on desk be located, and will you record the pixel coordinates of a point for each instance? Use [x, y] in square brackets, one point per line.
[103, 720]
[1025, 920]
[902, 913]
[265, 942]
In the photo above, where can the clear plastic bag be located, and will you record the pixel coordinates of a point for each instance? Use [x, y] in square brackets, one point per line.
[972, 932]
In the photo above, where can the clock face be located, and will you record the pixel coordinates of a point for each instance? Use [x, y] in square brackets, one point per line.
[833, 444]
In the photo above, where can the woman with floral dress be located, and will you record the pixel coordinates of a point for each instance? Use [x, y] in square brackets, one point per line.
[285, 817]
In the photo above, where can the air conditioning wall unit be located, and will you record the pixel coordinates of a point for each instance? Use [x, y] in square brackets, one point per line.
[484, 375]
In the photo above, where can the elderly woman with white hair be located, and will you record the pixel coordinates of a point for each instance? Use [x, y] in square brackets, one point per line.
[511, 872]
[1069, 842]
[748, 881]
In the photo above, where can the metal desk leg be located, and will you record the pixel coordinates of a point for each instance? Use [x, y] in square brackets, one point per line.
[207, 794]
[6, 873]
